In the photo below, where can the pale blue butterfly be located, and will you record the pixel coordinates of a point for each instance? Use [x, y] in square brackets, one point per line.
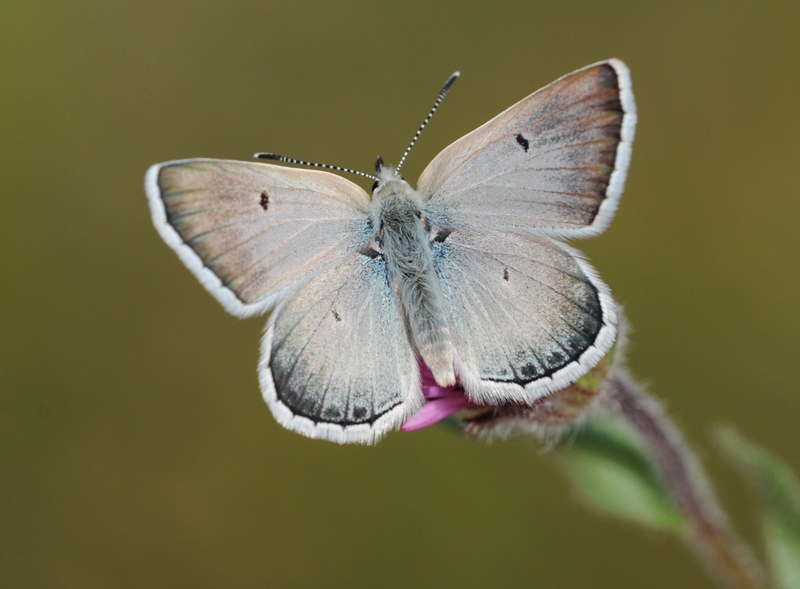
[468, 273]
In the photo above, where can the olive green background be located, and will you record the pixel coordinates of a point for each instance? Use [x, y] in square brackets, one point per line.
[135, 449]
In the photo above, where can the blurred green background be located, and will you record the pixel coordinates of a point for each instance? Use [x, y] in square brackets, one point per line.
[135, 449]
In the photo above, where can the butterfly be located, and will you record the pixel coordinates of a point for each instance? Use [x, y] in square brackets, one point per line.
[468, 273]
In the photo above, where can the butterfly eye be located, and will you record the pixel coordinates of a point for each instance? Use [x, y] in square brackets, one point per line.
[375, 186]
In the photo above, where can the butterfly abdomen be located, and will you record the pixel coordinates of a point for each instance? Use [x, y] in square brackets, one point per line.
[405, 244]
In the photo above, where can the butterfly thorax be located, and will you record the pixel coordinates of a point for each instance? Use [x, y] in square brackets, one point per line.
[403, 236]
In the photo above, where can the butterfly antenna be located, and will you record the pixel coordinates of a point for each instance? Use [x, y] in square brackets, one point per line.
[436, 104]
[291, 160]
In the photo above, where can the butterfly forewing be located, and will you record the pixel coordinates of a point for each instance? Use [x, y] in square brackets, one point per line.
[336, 358]
[527, 315]
[556, 160]
[249, 231]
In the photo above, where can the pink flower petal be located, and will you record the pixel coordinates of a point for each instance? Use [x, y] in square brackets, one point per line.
[434, 411]
[436, 392]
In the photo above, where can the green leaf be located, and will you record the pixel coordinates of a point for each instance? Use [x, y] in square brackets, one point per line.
[780, 496]
[611, 470]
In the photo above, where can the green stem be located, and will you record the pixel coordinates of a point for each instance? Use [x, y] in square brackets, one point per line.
[710, 534]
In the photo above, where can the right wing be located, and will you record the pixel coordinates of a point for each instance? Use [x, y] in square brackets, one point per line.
[336, 359]
[249, 231]
[555, 161]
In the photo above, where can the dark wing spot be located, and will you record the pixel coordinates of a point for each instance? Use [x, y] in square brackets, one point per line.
[329, 414]
[523, 142]
[359, 413]
[264, 200]
[505, 274]
[527, 371]
[335, 315]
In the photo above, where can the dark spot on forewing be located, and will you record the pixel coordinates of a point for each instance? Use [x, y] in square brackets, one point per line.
[523, 142]
[505, 274]
[335, 315]
[264, 200]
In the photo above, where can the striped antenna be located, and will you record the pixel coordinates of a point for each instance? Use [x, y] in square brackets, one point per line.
[436, 104]
[291, 160]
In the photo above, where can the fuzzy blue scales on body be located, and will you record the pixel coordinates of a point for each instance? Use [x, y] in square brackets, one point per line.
[405, 240]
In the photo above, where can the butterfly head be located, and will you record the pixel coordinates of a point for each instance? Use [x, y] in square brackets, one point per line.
[386, 175]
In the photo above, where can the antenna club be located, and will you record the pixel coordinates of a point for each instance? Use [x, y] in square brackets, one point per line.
[436, 104]
[451, 80]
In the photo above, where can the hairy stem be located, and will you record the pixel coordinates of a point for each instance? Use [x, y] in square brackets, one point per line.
[710, 534]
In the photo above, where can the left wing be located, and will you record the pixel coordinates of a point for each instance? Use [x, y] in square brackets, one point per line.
[251, 231]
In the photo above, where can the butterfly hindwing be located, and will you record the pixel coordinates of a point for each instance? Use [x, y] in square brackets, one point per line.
[527, 315]
[250, 231]
[336, 361]
[556, 160]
